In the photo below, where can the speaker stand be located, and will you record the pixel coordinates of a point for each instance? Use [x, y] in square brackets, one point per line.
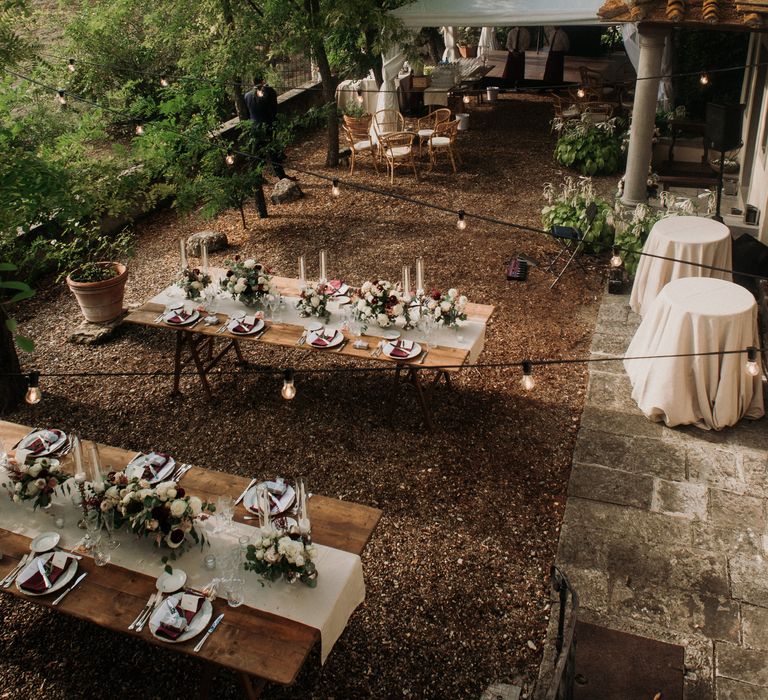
[717, 216]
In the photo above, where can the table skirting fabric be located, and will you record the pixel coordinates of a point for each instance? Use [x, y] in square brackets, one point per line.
[327, 608]
[689, 238]
[696, 315]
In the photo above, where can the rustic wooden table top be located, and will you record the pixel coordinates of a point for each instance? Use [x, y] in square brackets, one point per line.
[249, 641]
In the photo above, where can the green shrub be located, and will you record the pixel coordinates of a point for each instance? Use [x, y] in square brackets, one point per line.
[568, 207]
[592, 149]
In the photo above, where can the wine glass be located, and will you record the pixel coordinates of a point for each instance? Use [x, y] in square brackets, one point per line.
[427, 327]
[109, 524]
[279, 311]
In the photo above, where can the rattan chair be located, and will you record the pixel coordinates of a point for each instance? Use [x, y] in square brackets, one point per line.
[397, 149]
[443, 139]
[360, 142]
[597, 111]
[425, 126]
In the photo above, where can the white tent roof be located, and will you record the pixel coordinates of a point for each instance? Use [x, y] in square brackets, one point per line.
[498, 13]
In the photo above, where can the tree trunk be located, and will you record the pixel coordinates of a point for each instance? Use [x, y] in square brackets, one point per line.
[329, 98]
[12, 389]
[237, 81]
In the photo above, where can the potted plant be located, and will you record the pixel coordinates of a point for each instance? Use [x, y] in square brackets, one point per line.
[87, 257]
[355, 116]
[468, 40]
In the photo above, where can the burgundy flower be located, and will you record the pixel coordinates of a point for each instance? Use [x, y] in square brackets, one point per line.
[180, 492]
[176, 536]
[160, 513]
[230, 273]
[237, 258]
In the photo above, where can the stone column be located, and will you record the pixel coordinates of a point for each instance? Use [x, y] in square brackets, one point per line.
[643, 114]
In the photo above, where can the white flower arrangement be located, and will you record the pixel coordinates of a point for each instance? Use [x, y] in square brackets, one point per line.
[385, 305]
[247, 281]
[279, 554]
[447, 308]
[36, 481]
[193, 281]
[314, 300]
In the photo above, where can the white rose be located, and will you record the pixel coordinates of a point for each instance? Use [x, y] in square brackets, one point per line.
[97, 486]
[369, 298]
[178, 507]
[366, 287]
[32, 488]
[315, 302]
[432, 305]
[400, 321]
[271, 556]
[34, 470]
[250, 263]
[259, 554]
[382, 320]
[299, 560]
[445, 306]
[368, 312]
[397, 309]
[266, 541]
[171, 493]
[54, 469]
[18, 487]
[196, 505]
[16, 499]
[438, 313]
[40, 483]
[452, 293]
[127, 499]
[112, 492]
[144, 484]
[23, 468]
[243, 281]
[262, 280]
[463, 300]
[196, 285]
[105, 505]
[240, 288]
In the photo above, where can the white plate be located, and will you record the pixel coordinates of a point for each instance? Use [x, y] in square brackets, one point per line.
[192, 318]
[391, 335]
[338, 339]
[31, 567]
[256, 327]
[196, 626]
[44, 542]
[170, 583]
[135, 469]
[313, 326]
[29, 439]
[389, 347]
[342, 299]
[286, 500]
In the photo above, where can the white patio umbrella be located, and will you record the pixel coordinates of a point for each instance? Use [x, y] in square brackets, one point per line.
[451, 52]
[488, 41]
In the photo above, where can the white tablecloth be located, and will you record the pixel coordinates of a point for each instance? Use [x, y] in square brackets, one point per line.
[694, 315]
[346, 93]
[340, 586]
[472, 333]
[689, 238]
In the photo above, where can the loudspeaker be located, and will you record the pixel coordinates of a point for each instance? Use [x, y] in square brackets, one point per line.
[750, 256]
[723, 126]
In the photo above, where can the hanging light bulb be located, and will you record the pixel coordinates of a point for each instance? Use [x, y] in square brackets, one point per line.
[461, 223]
[704, 79]
[164, 82]
[289, 389]
[616, 260]
[71, 65]
[753, 369]
[33, 392]
[581, 93]
[230, 159]
[360, 96]
[335, 189]
[527, 382]
[61, 96]
[466, 99]
[139, 130]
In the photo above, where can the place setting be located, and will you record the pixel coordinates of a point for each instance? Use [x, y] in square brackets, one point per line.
[43, 443]
[153, 467]
[318, 337]
[179, 315]
[245, 324]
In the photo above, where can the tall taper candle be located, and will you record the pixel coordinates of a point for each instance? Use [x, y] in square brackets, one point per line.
[77, 453]
[406, 279]
[323, 265]
[419, 275]
[302, 269]
[204, 257]
[183, 250]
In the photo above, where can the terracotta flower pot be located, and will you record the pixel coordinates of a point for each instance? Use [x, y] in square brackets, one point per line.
[468, 51]
[101, 301]
[355, 124]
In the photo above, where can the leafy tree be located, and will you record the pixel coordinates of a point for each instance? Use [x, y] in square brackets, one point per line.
[12, 385]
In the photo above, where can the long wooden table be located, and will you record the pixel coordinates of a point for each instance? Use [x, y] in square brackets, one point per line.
[197, 344]
[255, 644]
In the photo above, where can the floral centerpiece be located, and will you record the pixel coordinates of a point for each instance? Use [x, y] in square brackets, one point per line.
[277, 554]
[314, 300]
[193, 281]
[383, 304]
[164, 513]
[446, 308]
[34, 482]
[246, 281]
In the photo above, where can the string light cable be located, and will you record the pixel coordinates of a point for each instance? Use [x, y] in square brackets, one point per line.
[336, 183]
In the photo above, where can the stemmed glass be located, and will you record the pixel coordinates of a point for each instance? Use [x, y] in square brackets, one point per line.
[279, 308]
[109, 525]
[428, 327]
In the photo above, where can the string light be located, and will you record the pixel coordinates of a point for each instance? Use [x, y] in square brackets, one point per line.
[581, 93]
[461, 222]
[704, 79]
[164, 82]
[61, 97]
[466, 99]
[230, 159]
[616, 260]
[289, 388]
[752, 367]
[527, 382]
[139, 130]
[33, 392]
[71, 65]
[335, 188]
[360, 96]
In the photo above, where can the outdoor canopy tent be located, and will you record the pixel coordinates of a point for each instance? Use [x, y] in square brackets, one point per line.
[497, 13]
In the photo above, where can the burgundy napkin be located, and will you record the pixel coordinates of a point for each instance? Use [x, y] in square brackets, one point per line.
[243, 327]
[322, 340]
[40, 443]
[155, 464]
[36, 584]
[398, 352]
[169, 632]
[178, 317]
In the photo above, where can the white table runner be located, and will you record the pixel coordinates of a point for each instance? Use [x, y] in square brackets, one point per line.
[328, 607]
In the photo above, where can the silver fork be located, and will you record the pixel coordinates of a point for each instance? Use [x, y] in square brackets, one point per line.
[11, 576]
[147, 605]
[184, 469]
[302, 338]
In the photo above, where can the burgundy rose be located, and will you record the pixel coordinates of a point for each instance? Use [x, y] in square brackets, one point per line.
[237, 258]
[180, 492]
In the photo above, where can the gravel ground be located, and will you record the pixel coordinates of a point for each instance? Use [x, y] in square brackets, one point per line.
[456, 572]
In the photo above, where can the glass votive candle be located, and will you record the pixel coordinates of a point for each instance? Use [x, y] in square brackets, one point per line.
[210, 562]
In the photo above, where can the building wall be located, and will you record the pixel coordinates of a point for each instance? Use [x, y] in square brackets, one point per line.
[754, 153]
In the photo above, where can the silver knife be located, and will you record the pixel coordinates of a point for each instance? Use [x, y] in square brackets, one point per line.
[210, 631]
[71, 588]
[13, 573]
[245, 490]
[41, 569]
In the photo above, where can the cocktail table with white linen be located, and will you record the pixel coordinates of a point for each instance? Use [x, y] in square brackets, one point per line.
[696, 315]
[690, 238]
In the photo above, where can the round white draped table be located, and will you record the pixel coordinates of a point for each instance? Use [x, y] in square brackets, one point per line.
[696, 315]
[690, 238]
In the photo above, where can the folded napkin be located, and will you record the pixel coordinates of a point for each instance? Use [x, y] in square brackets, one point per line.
[322, 339]
[176, 621]
[338, 287]
[43, 441]
[178, 316]
[401, 348]
[155, 462]
[36, 584]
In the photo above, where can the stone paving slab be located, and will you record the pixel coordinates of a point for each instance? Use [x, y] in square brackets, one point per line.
[665, 531]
